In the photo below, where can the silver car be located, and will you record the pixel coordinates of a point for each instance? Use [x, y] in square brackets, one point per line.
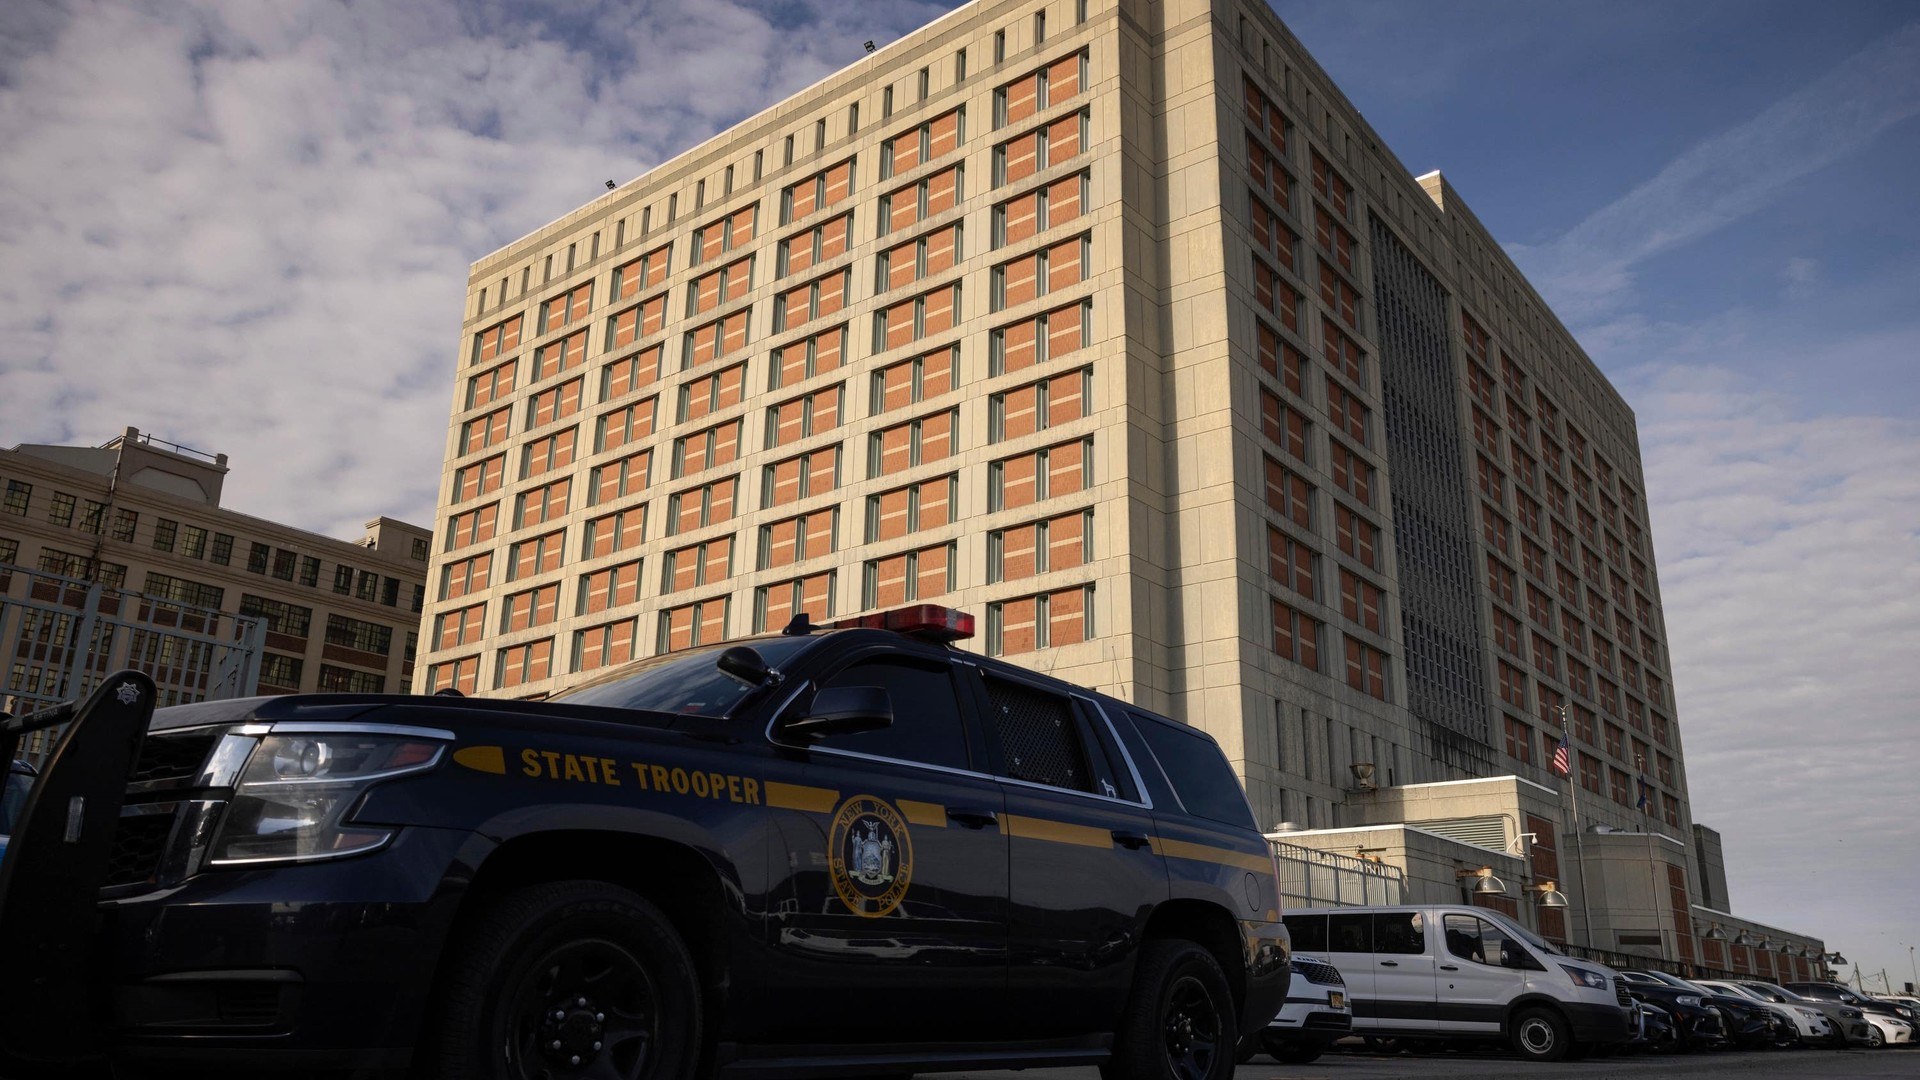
[1811, 1023]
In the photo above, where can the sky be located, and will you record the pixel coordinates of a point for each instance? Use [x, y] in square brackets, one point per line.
[245, 226]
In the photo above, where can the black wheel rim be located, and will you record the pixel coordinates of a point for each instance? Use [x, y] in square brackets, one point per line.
[584, 1010]
[1192, 1030]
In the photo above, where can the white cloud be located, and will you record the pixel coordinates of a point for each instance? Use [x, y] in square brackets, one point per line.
[1789, 554]
[1587, 272]
[246, 227]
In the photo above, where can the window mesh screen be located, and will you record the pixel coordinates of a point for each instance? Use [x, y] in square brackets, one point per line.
[1038, 736]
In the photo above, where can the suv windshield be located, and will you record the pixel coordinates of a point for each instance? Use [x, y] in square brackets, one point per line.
[685, 683]
[1682, 984]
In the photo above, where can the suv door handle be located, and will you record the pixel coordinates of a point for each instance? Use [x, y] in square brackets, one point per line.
[972, 818]
[1389, 963]
[1134, 840]
[1449, 967]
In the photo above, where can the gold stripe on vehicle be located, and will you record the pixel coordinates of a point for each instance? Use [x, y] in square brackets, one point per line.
[1060, 832]
[1187, 849]
[931, 815]
[487, 759]
[801, 797]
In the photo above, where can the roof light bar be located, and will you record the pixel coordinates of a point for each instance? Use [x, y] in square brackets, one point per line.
[928, 622]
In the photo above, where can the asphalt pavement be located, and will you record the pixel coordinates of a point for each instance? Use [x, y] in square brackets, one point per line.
[1748, 1065]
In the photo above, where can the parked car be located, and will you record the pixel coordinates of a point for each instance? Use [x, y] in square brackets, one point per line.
[13, 799]
[1810, 1026]
[1846, 995]
[1850, 1027]
[1889, 1031]
[1654, 1028]
[1315, 1016]
[1749, 1023]
[1700, 1025]
[1464, 973]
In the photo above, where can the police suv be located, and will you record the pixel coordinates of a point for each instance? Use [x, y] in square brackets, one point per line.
[835, 852]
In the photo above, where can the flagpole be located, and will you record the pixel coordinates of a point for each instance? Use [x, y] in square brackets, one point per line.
[1579, 844]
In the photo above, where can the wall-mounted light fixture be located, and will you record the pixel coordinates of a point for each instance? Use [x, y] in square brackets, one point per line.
[1548, 895]
[1485, 881]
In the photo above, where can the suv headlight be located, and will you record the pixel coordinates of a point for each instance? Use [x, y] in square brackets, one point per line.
[294, 797]
[1811, 1014]
[1581, 977]
[1691, 1001]
[1850, 1014]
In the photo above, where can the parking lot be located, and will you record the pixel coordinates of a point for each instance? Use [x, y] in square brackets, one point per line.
[1785, 1065]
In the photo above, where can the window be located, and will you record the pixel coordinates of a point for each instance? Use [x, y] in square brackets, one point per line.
[354, 634]
[222, 547]
[336, 680]
[801, 251]
[803, 476]
[709, 504]
[829, 187]
[1040, 547]
[18, 496]
[61, 512]
[1366, 669]
[930, 196]
[774, 605]
[1042, 208]
[1200, 775]
[1027, 623]
[1039, 406]
[1038, 91]
[1043, 474]
[124, 524]
[927, 724]
[1040, 149]
[93, 518]
[916, 442]
[165, 532]
[926, 505]
[1048, 270]
[1360, 600]
[909, 576]
[1480, 942]
[1039, 735]
[1399, 932]
[277, 670]
[926, 142]
[818, 299]
[1045, 337]
[702, 622]
[1290, 494]
[165, 587]
[797, 539]
[1296, 637]
[566, 308]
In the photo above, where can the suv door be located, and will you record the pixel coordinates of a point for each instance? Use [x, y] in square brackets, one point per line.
[890, 921]
[1480, 971]
[1084, 873]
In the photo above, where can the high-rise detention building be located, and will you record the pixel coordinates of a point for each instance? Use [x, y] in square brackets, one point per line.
[1114, 323]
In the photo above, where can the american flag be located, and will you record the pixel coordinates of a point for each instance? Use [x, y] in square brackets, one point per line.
[1563, 758]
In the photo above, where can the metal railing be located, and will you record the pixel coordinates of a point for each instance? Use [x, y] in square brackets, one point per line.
[1318, 879]
[61, 636]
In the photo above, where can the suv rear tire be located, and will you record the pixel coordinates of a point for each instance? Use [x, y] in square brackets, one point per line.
[548, 978]
[1541, 1035]
[1179, 1021]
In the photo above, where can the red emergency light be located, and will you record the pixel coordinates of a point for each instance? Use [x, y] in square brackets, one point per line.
[928, 622]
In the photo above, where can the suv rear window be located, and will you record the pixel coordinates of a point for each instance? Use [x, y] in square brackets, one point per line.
[1198, 771]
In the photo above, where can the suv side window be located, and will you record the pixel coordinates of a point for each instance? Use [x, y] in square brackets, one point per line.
[1399, 932]
[1309, 932]
[1038, 735]
[1350, 933]
[927, 723]
[1479, 941]
[1198, 771]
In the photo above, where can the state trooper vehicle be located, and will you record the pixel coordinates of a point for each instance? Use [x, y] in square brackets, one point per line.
[840, 852]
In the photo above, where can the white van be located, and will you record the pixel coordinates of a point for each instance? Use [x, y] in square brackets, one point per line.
[1458, 972]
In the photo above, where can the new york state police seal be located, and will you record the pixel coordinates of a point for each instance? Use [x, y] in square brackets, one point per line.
[871, 860]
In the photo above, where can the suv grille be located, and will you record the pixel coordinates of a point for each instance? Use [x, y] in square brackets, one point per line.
[1620, 992]
[168, 758]
[137, 846]
[1314, 971]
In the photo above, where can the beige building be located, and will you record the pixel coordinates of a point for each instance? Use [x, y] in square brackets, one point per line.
[1114, 323]
[142, 519]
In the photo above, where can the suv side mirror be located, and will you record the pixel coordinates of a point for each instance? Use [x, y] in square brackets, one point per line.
[842, 710]
[744, 664]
